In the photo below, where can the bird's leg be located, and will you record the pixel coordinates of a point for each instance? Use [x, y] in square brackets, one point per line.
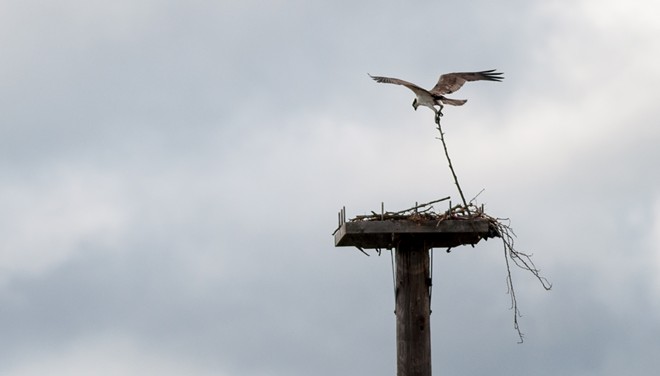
[438, 114]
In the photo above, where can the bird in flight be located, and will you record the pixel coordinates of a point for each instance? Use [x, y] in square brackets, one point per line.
[447, 84]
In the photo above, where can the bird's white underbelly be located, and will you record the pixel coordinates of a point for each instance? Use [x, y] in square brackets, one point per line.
[424, 100]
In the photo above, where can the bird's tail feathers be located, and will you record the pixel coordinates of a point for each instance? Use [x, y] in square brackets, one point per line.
[453, 102]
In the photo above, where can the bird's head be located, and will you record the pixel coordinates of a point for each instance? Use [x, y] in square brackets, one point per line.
[415, 104]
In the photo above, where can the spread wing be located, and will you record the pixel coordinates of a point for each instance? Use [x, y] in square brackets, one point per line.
[450, 82]
[388, 80]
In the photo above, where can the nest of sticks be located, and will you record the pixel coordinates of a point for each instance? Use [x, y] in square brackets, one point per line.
[426, 212]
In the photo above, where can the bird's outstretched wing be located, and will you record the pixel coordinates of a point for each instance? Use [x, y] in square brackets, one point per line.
[396, 81]
[450, 82]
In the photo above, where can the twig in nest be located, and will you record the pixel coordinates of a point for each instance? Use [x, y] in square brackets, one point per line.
[410, 213]
[477, 195]
[422, 205]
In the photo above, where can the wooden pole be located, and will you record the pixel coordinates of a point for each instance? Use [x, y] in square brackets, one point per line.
[413, 240]
[413, 326]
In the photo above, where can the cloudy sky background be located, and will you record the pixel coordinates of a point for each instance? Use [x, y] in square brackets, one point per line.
[170, 174]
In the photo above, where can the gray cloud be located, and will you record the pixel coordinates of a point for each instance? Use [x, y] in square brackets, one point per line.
[171, 173]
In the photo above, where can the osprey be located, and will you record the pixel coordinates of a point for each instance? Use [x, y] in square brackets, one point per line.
[447, 84]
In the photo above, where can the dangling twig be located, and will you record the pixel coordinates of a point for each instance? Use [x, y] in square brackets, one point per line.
[521, 260]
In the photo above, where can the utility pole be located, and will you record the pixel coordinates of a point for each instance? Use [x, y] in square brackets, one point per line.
[413, 240]
[413, 309]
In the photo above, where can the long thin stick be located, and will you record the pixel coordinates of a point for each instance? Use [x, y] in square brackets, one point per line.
[444, 145]
[422, 205]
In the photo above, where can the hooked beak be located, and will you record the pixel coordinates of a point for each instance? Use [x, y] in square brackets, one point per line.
[414, 104]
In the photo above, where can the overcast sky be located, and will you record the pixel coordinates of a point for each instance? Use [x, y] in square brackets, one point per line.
[171, 172]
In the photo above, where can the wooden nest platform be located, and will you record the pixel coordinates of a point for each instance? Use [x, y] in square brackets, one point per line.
[459, 225]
